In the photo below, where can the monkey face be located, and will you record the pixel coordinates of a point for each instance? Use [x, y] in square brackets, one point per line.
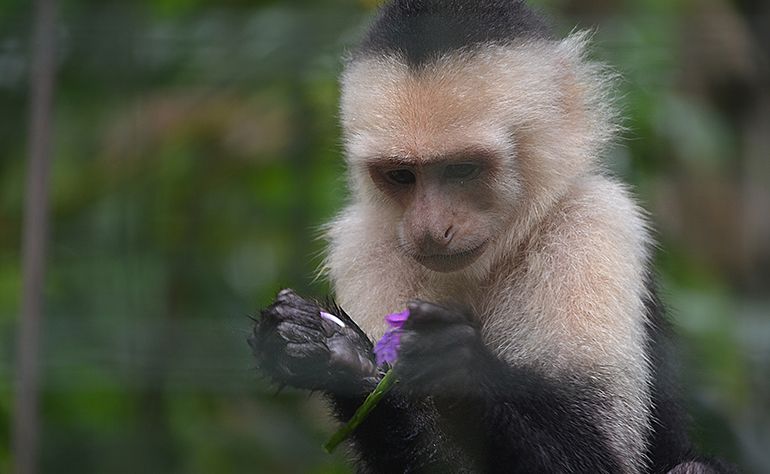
[437, 154]
[466, 149]
[444, 204]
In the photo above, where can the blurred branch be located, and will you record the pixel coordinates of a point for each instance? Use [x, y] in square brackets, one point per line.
[34, 235]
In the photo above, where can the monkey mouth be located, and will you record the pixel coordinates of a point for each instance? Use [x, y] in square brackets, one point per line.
[451, 262]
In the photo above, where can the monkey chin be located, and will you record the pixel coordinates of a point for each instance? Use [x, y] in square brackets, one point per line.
[451, 262]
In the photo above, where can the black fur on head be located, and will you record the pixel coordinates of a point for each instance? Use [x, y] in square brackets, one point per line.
[422, 30]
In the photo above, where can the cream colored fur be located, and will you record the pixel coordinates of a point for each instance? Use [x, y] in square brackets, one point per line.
[561, 289]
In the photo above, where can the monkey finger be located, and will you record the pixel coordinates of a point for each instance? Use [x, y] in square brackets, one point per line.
[423, 312]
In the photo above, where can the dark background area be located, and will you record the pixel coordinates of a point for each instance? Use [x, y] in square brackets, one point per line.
[196, 152]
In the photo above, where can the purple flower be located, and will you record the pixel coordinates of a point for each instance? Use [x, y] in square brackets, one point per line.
[386, 349]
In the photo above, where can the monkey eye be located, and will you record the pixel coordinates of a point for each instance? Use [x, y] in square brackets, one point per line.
[461, 171]
[401, 177]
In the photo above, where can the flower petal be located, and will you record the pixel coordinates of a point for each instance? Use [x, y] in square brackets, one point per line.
[397, 320]
[386, 349]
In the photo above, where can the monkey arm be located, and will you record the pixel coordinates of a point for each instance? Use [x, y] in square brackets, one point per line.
[452, 389]
[458, 408]
[500, 417]
[529, 422]
[295, 345]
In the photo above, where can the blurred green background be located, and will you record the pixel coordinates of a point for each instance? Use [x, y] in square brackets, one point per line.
[197, 152]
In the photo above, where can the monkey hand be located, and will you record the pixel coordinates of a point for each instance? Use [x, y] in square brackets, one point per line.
[442, 351]
[298, 343]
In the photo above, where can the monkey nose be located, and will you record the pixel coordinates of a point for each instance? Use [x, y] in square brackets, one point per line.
[435, 241]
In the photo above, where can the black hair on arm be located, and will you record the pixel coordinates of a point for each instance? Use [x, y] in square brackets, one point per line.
[422, 30]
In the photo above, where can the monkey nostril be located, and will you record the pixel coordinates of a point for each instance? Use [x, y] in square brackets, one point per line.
[448, 234]
[435, 242]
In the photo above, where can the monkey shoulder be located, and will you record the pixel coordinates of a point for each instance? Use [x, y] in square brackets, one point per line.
[595, 236]
[575, 291]
[597, 213]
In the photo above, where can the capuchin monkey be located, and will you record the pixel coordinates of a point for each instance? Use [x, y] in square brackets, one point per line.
[535, 341]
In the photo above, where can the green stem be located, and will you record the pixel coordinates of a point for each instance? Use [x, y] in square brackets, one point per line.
[360, 415]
